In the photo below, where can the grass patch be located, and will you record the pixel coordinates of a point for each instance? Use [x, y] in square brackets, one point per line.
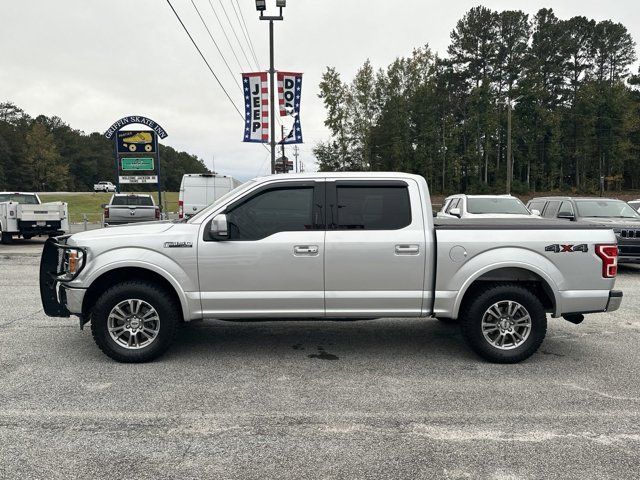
[90, 204]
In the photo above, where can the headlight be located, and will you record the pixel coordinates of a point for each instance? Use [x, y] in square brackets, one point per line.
[71, 263]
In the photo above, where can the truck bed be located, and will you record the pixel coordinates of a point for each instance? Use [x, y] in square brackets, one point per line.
[511, 224]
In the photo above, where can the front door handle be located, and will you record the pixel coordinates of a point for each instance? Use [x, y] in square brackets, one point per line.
[407, 249]
[305, 250]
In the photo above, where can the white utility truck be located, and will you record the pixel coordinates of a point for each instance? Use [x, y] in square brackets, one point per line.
[198, 190]
[23, 214]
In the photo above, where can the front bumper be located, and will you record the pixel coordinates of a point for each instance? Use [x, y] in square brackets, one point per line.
[53, 298]
[58, 299]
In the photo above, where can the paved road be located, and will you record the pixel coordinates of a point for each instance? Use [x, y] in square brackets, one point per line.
[374, 399]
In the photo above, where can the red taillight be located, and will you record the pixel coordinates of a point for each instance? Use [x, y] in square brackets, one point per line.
[106, 213]
[609, 256]
[157, 213]
[180, 208]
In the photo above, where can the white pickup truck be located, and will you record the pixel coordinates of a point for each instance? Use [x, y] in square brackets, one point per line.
[104, 187]
[329, 246]
[23, 214]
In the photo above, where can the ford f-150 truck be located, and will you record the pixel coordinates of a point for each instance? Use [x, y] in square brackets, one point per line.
[330, 246]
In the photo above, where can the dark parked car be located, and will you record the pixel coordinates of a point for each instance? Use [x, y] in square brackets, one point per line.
[623, 219]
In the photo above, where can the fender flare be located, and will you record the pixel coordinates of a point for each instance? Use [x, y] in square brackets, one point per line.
[509, 264]
[109, 267]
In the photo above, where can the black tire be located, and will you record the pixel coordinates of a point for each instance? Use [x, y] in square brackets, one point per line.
[158, 298]
[473, 312]
[6, 238]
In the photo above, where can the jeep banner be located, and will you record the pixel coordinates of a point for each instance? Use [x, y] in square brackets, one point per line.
[256, 112]
[289, 92]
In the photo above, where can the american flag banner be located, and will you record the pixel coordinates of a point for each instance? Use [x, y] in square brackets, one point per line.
[256, 107]
[289, 92]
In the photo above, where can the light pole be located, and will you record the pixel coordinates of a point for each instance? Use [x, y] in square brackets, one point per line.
[261, 6]
[509, 160]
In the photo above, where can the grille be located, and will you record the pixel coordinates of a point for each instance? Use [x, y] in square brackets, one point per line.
[629, 233]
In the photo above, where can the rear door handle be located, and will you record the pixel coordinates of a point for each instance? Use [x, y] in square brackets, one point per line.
[407, 249]
[305, 250]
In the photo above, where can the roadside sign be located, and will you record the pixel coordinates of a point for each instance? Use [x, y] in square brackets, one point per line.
[138, 179]
[138, 141]
[136, 163]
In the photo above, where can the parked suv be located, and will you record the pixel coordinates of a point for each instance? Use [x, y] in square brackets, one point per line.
[484, 206]
[623, 219]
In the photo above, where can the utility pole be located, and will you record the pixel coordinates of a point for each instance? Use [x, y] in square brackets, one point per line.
[284, 165]
[509, 164]
[295, 154]
[261, 6]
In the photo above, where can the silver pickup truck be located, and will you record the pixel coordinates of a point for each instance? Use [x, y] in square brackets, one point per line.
[129, 208]
[330, 246]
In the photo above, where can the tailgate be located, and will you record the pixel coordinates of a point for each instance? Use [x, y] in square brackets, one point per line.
[41, 213]
[126, 213]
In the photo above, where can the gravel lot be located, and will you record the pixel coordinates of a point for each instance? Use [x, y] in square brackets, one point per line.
[377, 399]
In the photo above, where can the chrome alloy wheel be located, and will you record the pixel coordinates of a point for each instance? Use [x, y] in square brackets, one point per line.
[506, 324]
[133, 324]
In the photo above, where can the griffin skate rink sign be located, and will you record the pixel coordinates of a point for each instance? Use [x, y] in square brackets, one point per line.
[137, 155]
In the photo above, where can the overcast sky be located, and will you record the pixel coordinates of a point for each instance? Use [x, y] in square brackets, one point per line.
[93, 62]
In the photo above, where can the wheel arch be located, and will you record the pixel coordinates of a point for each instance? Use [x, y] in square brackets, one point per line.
[123, 273]
[525, 274]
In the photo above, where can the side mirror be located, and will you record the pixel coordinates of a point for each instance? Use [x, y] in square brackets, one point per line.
[455, 212]
[219, 229]
[566, 216]
[103, 205]
[535, 212]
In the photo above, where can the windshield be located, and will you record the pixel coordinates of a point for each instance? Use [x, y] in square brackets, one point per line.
[605, 209]
[505, 205]
[135, 200]
[19, 198]
[221, 200]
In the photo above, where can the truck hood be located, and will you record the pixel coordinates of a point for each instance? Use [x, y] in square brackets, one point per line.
[143, 228]
[613, 222]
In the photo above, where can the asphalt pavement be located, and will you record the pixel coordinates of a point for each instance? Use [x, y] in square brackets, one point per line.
[389, 398]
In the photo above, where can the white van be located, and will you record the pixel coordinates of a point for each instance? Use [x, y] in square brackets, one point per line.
[197, 190]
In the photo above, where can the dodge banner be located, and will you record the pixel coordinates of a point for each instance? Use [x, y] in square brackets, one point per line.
[256, 111]
[289, 92]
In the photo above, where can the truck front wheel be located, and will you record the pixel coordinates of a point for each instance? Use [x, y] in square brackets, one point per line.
[5, 238]
[134, 321]
[504, 323]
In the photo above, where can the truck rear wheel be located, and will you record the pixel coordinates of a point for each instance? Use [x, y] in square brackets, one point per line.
[504, 323]
[134, 322]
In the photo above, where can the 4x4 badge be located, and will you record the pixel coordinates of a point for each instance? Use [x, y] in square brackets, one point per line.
[567, 248]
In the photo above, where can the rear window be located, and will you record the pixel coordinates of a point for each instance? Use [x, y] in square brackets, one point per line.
[373, 207]
[496, 205]
[19, 198]
[134, 200]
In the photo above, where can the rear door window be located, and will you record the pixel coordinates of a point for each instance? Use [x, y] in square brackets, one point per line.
[372, 207]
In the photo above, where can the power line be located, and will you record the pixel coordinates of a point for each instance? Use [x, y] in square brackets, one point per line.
[226, 36]
[217, 47]
[205, 60]
[209, 66]
[235, 34]
[247, 36]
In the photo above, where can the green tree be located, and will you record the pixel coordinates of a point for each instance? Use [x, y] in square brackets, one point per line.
[47, 168]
